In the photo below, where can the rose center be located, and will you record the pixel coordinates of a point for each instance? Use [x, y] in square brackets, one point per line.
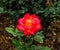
[28, 22]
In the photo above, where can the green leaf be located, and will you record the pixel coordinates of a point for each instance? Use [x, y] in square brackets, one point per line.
[39, 37]
[34, 47]
[59, 4]
[22, 11]
[11, 12]
[28, 43]
[46, 12]
[14, 32]
[10, 30]
[20, 1]
[1, 9]
[4, 0]
[18, 33]
[20, 48]
[44, 48]
[39, 1]
[16, 42]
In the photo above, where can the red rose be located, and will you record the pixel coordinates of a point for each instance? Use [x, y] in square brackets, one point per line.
[29, 24]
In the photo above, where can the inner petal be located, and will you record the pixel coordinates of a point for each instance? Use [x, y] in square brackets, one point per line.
[28, 22]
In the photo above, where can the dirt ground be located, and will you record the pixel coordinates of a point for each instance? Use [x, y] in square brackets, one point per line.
[52, 34]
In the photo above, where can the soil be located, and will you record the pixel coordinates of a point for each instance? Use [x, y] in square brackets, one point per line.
[5, 38]
[52, 34]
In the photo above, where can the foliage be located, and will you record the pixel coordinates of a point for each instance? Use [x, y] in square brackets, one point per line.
[16, 8]
[38, 37]
[14, 32]
[33, 47]
[26, 43]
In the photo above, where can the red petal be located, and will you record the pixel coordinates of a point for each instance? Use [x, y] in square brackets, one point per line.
[26, 15]
[20, 28]
[33, 15]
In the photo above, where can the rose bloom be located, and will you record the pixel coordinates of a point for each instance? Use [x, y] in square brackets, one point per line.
[29, 24]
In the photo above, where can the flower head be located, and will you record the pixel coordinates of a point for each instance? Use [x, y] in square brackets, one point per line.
[29, 24]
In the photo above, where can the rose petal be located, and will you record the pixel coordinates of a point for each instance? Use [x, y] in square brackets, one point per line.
[27, 15]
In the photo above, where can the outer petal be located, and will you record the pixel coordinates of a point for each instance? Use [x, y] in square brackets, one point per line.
[32, 32]
[20, 21]
[27, 15]
[26, 33]
[20, 28]
[39, 26]
[33, 15]
[36, 19]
